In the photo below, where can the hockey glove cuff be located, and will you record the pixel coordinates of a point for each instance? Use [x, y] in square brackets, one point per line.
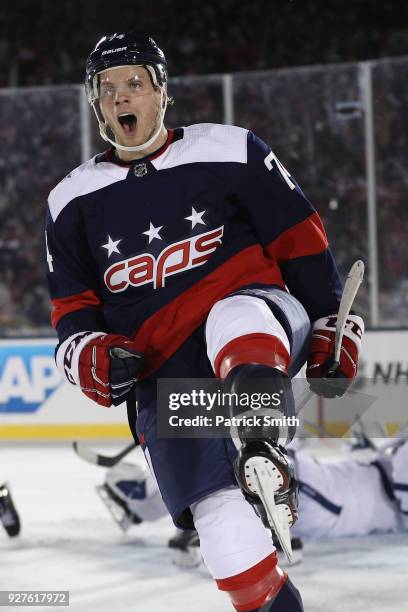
[105, 366]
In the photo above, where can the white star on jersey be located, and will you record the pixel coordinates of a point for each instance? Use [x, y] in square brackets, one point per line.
[112, 246]
[153, 232]
[196, 217]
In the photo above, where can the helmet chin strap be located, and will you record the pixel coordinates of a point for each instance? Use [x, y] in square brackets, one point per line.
[141, 147]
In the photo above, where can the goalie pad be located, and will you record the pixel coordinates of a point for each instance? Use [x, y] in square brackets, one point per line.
[400, 478]
[136, 488]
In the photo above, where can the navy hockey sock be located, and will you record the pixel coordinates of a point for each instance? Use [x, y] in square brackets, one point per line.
[253, 380]
[287, 600]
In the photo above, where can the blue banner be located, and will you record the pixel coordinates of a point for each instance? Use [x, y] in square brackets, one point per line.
[28, 375]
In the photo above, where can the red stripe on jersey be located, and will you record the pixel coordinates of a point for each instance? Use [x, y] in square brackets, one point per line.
[63, 306]
[305, 238]
[110, 153]
[162, 333]
[163, 148]
[254, 587]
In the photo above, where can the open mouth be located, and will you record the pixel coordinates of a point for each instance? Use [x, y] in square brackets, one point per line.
[128, 122]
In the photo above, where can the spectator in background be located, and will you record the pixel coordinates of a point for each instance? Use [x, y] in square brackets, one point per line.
[297, 111]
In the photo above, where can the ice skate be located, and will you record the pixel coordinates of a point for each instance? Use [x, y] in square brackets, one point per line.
[185, 548]
[8, 513]
[117, 507]
[268, 482]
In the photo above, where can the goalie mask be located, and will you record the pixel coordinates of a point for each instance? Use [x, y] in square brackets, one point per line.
[126, 49]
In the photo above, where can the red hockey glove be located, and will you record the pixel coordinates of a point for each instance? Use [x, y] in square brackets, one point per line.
[321, 353]
[108, 366]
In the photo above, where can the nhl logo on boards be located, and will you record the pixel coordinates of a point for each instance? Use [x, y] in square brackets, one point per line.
[140, 170]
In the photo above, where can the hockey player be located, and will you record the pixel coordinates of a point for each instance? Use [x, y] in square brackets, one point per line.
[8, 514]
[131, 495]
[169, 256]
[364, 493]
[353, 496]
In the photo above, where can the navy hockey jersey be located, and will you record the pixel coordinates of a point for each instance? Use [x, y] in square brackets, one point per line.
[146, 248]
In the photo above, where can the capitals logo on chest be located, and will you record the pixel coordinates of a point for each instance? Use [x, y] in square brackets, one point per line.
[175, 258]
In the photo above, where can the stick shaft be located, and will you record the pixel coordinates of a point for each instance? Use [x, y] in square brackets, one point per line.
[353, 282]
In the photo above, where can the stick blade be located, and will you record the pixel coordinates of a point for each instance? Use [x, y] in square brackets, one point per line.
[89, 455]
[86, 453]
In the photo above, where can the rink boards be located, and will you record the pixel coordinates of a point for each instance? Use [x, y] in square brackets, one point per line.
[35, 403]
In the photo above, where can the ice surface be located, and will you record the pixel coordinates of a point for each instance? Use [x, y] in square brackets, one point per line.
[69, 541]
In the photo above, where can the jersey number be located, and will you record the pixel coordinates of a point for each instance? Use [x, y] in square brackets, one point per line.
[284, 173]
[49, 256]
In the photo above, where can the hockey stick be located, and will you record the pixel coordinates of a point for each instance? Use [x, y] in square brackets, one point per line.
[87, 454]
[351, 286]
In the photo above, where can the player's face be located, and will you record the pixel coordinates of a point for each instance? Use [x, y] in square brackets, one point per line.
[129, 103]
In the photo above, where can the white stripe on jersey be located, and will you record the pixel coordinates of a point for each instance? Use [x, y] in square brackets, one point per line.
[84, 179]
[202, 142]
[205, 142]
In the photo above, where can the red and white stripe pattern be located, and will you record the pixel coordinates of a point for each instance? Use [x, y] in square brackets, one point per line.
[68, 352]
[242, 329]
[256, 586]
[232, 537]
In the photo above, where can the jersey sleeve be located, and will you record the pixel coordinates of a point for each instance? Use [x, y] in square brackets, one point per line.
[290, 231]
[71, 275]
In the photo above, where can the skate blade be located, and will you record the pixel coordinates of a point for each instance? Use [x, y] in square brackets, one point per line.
[297, 558]
[123, 519]
[265, 483]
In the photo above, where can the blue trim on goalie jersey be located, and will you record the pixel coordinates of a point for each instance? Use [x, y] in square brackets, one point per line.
[385, 480]
[133, 489]
[399, 486]
[319, 498]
